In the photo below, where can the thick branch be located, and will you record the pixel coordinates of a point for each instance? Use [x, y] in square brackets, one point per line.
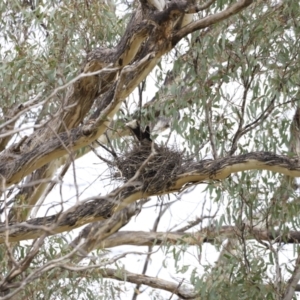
[63, 143]
[207, 235]
[100, 208]
[210, 20]
[92, 235]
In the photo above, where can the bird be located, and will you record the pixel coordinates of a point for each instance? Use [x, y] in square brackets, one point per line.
[141, 135]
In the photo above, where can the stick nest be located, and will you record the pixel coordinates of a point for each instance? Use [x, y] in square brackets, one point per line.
[157, 166]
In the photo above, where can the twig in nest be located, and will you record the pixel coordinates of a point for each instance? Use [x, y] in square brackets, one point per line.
[159, 172]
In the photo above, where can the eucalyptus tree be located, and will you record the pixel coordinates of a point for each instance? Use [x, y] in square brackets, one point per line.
[75, 76]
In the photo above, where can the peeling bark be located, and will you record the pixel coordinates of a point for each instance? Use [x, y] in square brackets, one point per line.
[101, 208]
[207, 235]
[152, 31]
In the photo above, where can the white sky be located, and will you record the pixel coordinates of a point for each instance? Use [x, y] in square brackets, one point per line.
[89, 172]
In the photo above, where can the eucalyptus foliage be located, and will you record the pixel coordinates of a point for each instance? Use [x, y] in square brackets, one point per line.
[227, 90]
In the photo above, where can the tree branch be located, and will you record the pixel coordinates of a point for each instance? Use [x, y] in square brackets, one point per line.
[99, 208]
[206, 235]
[210, 20]
[181, 291]
[292, 282]
[92, 235]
